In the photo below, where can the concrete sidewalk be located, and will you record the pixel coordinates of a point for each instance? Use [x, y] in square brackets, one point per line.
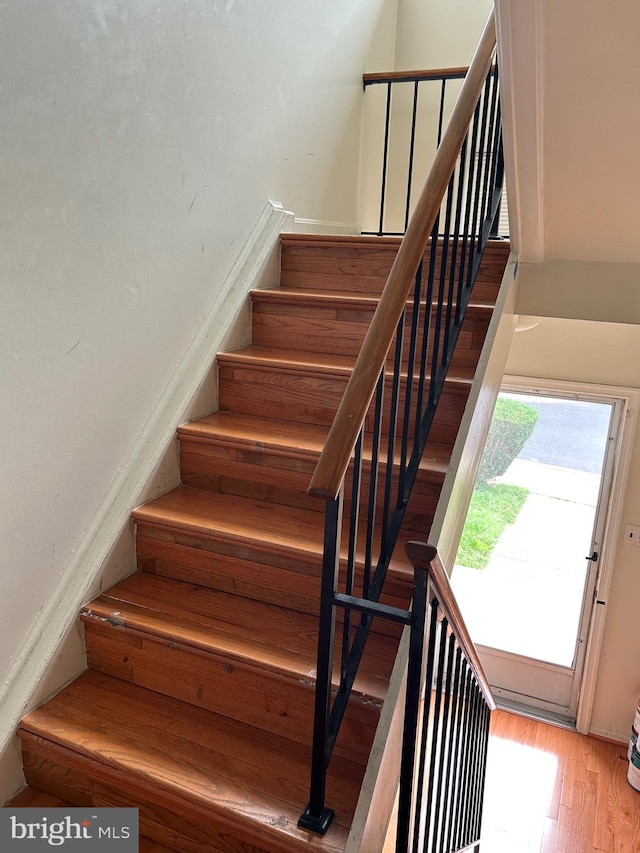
[529, 598]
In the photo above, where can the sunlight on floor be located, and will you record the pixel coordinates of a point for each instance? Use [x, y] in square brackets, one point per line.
[520, 784]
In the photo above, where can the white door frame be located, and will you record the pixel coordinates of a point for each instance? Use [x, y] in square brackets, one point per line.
[630, 398]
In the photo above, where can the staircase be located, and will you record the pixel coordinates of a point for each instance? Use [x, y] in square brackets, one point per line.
[197, 705]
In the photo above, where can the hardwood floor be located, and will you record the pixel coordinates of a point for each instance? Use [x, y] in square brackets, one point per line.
[550, 790]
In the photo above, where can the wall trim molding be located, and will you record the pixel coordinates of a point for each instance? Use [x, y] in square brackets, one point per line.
[112, 517]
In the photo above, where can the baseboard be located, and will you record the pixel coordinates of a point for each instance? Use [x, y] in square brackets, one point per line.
[318, 226]
[610, 737]
[105, 550]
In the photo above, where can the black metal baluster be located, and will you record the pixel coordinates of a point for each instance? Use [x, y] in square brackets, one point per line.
[424, 351]
[464, 778]
[317, 816]
[476, 225]
[411, 153]
[354, 515]
[435, 346]
[444, 263]
[473, 767]
[460, 229]
[452, 756]
[411, 378]
[466, 261]
[443, 89]
[385, 156]
[373, 485]
[438, 807]
[437, 727]
[412, 710]
[418, 830]
[385, 547]
[490, 145]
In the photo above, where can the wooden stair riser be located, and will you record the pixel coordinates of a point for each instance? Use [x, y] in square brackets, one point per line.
[201, 560]
[334, 265]
[342, 329]
[227, 686]
[314, 398]
[261, 475]
[76, 779]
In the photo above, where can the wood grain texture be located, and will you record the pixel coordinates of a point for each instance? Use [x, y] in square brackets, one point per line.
[231, 772]
[399, 76]
[197, 704]
[551, 790]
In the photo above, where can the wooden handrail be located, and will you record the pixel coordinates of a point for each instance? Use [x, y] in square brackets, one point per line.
[426, 557]
[334, 460]
[412, 76]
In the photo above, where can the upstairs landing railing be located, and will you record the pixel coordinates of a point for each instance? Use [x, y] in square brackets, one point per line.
[404, 145]
[389, 405]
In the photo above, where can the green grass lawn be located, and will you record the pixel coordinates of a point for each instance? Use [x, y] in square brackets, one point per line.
[492, 508]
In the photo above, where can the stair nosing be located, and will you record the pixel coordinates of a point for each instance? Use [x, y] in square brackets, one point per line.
[304, 361]
[157, 626]
[328, 297]
[436, 466]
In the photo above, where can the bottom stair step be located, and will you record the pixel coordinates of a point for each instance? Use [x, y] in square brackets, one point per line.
[32, 798]
[202, 782]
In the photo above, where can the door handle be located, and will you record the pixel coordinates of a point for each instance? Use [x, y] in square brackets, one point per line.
[593, 557]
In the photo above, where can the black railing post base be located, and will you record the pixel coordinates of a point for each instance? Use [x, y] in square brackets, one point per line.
[316, 823]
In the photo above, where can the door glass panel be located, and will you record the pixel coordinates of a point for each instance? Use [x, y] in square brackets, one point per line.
[521, 569]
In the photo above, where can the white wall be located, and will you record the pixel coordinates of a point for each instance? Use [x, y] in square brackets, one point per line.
[570, 77]
[140, 142]
[439, 33]
[608, 354]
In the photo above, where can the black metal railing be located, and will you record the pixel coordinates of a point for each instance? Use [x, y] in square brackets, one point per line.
[392, 397]
[405, 164]
[447, 716]
[406, 97]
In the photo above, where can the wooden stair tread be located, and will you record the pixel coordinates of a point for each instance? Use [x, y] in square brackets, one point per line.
[315, 362]
[221, 767]
[254, 522]
[245, 631]
[232, 517]
[294, 439]
[345, 241]
[339, 240]
[285, 359]
[253, 430]
[342, 299]
[33, 798]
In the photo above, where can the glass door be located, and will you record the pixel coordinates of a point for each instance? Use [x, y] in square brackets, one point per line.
[527, 566]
